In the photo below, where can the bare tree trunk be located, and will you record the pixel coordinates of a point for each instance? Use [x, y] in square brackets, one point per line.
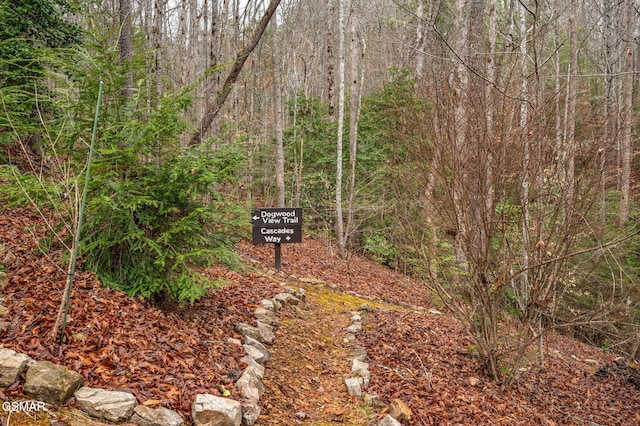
[341, 100]
[125, 42]
[158, 21]
[355, 84]
[627, 93]
[608, 108]
[329, 62]
[277, 112]
[570, 117]
[526, 158]
[238, 64]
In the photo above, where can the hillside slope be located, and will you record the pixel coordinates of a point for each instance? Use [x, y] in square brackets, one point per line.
[171, 354]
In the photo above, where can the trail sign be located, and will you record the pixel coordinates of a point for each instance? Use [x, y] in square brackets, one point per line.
[276, 225]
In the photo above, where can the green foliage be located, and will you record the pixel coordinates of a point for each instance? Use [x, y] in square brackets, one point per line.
[149, 228]
[380, 249]
[153, 215]
[19, 189]
[31, 32]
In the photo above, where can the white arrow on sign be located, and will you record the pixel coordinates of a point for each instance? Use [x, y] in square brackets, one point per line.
[288, 238]
[255, 217]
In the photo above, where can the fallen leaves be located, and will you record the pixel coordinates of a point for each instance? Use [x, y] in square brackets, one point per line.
[166, 356]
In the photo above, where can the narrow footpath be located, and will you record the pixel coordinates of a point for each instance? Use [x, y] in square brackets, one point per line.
[311, 358]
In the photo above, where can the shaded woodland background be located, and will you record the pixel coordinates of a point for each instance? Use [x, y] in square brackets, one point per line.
[486, 147]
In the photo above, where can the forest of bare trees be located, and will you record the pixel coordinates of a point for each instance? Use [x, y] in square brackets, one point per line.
[486, 146]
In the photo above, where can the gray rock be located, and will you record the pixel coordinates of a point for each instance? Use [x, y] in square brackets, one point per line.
[359, 352]
[254, 365]
[256, 344]
[211, 410]
[264, 315]
[12, 365]
[276, 304]
[349, 337]
[266, 332]
[254, 353]
[4, 280]
[51, 383]
[354, 386]
[161, 416]
[371, 400]
[389, 421]
[358, 366]
[354, 328]
[113, 406]
[301, 294]
[248, 330]
[250, 413]
[268, 305]
[249, 385]
[355, 318]
[360, 370]
[287, 299]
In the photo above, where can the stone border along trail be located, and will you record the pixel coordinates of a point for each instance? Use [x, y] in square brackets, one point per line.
[312, 361]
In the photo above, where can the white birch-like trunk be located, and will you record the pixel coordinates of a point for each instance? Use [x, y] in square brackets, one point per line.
[341, 100]
[627, 93]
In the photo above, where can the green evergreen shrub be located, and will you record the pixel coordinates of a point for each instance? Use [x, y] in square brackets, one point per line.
[147, 231]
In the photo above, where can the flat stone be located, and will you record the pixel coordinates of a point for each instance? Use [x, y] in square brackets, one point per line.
[266, 332]
[354, 328]
[354, 386]
[389, 421]
[211, 410]
[355, 318]
[12, 365]
[287, 299]
[250, 413]
[400, 411]
[4, 326]
[113, 406]
[254, 365]
[264, 315]
[254, 353]
[276, 304]
[249, 386]
[435, 312]
[256, 344]
[161, 416]
[268, 305]
[371, 400]
[361, 369]
[51, 383]
[248, 330]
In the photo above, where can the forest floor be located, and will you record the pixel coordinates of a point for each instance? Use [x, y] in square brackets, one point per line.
[166, 355]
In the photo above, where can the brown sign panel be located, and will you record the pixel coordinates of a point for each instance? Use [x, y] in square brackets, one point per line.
[276, 225]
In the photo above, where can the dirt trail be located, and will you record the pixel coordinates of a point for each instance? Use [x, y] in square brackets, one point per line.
[310, 360]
